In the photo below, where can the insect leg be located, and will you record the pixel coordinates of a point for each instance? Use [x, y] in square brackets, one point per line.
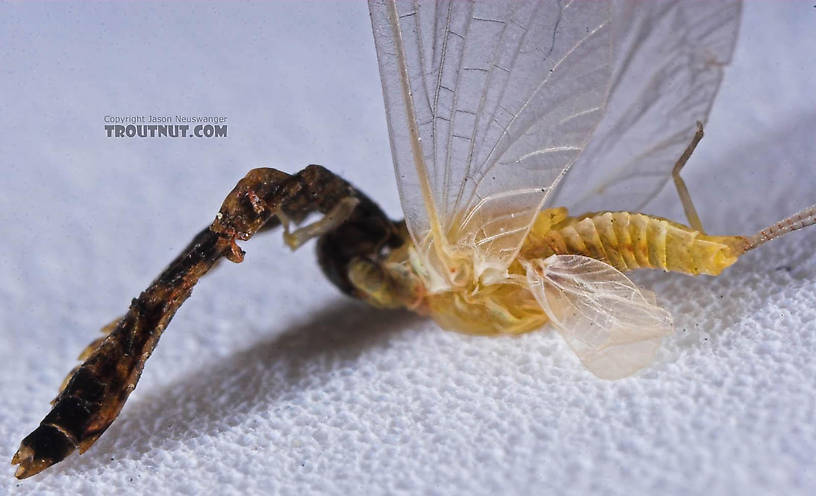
[385, 285]
[682, 190]
[96, 391]
[331, 221]
[106, 329]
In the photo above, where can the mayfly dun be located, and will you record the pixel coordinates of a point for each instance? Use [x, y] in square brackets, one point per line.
[526, 137]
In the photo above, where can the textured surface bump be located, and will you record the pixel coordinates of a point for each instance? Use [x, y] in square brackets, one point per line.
[268, 380]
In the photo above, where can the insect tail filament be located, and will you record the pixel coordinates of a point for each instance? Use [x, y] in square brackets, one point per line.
[799, 220]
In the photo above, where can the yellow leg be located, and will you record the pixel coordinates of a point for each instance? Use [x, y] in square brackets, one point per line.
[682, 190]
[336, 216]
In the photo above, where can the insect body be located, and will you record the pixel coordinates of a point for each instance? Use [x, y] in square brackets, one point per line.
[591, 251]
[491, 106]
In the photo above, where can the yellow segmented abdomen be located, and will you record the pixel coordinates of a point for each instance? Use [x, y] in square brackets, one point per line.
[630, 241]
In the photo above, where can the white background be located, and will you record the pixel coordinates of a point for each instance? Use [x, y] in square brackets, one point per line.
[269, 381]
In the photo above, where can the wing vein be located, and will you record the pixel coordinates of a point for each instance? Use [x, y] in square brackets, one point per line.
[529, 98]
[454, 106]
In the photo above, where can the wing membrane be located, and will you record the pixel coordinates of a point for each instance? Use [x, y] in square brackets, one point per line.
[488, 103]
[614, 327]
[669, 59]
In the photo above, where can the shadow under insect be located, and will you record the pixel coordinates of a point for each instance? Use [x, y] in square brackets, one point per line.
[269, 373]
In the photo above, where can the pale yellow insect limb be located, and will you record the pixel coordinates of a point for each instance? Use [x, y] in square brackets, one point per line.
[613, 326]
[680, 185]
[387, 285]
[336, 216]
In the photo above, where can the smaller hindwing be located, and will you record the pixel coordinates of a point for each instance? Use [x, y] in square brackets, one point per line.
[614, 327]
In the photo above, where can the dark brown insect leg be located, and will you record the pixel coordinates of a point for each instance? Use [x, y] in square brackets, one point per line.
[96, 391]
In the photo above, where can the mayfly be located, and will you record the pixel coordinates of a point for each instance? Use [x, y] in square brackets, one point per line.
[501, 116]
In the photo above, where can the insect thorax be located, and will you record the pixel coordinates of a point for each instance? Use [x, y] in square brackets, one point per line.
[395, 282]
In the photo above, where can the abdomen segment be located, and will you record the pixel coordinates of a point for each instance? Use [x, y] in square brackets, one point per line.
[629, 241]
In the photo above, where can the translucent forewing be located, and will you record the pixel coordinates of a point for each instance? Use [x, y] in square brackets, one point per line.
[669, 59]
[488, 103]
[614, 327]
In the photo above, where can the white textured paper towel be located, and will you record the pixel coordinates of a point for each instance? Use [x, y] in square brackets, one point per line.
[269, 381]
